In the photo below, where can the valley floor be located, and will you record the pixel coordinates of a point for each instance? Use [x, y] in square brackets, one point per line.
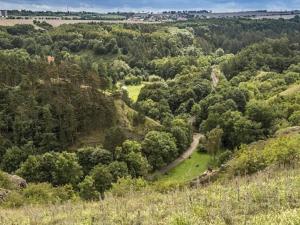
[269, 197]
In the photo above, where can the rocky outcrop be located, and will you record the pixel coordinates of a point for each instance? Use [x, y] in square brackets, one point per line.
[17, 181]
[205, 178]
[12, 181]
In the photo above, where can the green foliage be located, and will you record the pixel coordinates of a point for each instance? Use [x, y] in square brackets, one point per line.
[102, 178]
[46, 107]
[213, 141]
[132, 80]
[160, 148]
[5, 182]
[131, 153]
[118, 170]
[56, 168]
[125, 186]
[37, 194]
[250, 159]
[87, 189]
[44, 193]
[89, 157]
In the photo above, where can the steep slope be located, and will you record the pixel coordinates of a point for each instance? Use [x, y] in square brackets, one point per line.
[269, 197]
[127, 121]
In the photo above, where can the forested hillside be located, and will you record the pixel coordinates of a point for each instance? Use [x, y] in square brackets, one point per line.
[70, 129]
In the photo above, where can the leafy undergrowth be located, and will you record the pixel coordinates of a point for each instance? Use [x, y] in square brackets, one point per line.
[189, 169]
[269, 197]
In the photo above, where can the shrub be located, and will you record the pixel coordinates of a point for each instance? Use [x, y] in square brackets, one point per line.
[56, 168]
[5, 182]
[13, 200]
[126, 185]
[87, 189]
[154, 78]
[102, 178]
[44, 193]
[283, 150]
[89, 157]
[223, 157]
[132, 80]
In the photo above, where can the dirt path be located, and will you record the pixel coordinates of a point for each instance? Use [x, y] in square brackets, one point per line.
[214, 77]
[184, 156]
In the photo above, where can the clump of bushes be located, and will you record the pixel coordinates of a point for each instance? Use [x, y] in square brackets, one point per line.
[128, 185]
[42, 193]
[282, 151]
[155, 78]
[132, 80]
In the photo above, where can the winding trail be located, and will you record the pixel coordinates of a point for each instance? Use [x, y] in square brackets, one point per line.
[184, 156]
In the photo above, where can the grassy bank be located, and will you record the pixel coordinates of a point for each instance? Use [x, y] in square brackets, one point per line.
[270, 197]
[189, 169]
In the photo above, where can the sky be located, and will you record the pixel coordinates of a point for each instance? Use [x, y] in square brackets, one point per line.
[150, 5]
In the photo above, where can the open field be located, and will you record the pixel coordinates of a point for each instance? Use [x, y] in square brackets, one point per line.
[188, 169]
[134, 91]
[271, 197]
[56, 23]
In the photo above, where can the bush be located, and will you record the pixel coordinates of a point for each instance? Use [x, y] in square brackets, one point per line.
[138, 118]
[223, 157]
[132, 80]
[13, 200]
[45, 193]
[5, 182]
[154, 78]
[160, 148]
[248, 160]
[56, 168]
[87, 189]
[127, 185]
[89, 157]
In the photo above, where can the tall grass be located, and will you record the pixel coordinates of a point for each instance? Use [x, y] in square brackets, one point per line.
[269, 197]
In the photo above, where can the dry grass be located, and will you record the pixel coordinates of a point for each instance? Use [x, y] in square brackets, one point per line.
[270, 197]
[56, 23]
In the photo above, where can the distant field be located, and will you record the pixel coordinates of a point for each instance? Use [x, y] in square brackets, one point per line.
[134, 91]
[189, 169]
[56, 23]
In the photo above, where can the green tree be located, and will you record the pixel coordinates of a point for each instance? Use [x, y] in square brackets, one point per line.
[160, 148]
[261, 112]
[56, 168]
[213, 141]
[87, 189]
[118, 170]
[102, 178]
[89, 157]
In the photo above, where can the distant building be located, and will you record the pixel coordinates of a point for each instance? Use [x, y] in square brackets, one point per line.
[3, 13]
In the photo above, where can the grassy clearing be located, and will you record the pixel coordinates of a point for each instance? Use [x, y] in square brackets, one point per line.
[270, 197]
[134, 91]
[189, 169]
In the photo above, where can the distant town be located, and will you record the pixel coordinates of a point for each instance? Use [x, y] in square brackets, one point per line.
[145, 16]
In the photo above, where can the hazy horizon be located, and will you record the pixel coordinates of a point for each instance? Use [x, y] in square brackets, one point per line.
[150, 5]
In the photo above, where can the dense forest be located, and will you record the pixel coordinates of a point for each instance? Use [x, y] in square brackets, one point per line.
[236, 81]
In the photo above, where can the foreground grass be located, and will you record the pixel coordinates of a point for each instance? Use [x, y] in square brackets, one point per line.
[189, 169]
[270, 197]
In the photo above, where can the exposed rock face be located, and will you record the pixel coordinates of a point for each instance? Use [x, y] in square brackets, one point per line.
[17, 181]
